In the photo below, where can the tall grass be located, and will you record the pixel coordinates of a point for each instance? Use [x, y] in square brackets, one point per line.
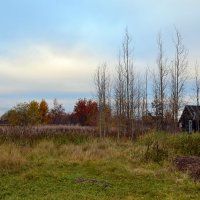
[157, 147]
[16, 152]
[29, 136]
[11, 157]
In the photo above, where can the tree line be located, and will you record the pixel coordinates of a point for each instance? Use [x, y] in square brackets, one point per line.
[32, 113]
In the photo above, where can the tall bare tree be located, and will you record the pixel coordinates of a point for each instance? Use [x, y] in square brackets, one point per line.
[119, 96]
[146, 94]
[139, 93]
[197, 83]
[197, 90]
[129, 81]
[102, 82]
[163, 72]
[178, 76]
[124, 88]
[162, 78]
[156, 100]
[160, 84]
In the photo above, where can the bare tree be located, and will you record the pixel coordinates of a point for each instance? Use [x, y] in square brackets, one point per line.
[144, 98]
[197, 89]
[163, 72]
[146, 94]
[119, 96]
[129, 82]
[156, 101]
[102, 82]
[57, 113]
[160, 84]
[125, 88]
[178, 76]
[139, 92]
[197, 83]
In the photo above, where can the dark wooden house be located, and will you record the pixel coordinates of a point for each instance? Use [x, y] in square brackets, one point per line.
[190, 119]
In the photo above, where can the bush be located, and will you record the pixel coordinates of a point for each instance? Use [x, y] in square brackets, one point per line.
[185, 144]
[156, 152]
[160, 145]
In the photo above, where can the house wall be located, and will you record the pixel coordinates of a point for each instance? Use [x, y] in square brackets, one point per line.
[185, 120]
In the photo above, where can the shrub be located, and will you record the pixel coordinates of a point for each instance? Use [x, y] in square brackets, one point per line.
[156, 152]
[160, 145]
[185, 144]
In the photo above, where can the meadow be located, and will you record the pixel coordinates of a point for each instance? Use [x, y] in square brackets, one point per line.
[79, 166]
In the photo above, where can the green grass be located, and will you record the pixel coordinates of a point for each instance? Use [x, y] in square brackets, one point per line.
[67, 167]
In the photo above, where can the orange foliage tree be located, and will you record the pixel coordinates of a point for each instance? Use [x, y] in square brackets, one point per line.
[44, 109]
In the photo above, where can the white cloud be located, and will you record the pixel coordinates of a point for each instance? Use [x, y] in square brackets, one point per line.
[43, 68]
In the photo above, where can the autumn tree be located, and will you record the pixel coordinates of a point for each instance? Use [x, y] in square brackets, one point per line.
[92, 110]
[23, 114]
[33, 113]
[86, 112]
[80, 110]
[44, 109]
[11, 117]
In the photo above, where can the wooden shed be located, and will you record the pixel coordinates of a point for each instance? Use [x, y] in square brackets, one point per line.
[190, 119]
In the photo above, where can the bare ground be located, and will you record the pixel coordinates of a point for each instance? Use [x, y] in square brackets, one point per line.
[190, 164]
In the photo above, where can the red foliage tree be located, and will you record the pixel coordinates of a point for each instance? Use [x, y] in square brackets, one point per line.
[86, 112]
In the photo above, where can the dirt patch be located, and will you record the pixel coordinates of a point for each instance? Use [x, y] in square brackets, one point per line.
[102, 183]
[190, 164]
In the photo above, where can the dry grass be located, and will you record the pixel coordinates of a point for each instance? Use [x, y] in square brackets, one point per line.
[15, 155]
[97, 150]
[69, 153]
[11, 157]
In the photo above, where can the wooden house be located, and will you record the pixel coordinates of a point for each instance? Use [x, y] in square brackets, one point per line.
[190, 119]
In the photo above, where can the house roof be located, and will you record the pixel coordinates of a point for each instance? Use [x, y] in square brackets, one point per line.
[193, 111]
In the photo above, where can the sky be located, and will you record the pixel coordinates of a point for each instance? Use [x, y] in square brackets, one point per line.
[51, 48]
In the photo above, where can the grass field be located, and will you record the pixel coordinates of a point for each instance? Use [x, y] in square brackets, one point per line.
[80, 167]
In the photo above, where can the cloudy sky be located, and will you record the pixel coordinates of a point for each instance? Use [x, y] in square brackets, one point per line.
[51, 48]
